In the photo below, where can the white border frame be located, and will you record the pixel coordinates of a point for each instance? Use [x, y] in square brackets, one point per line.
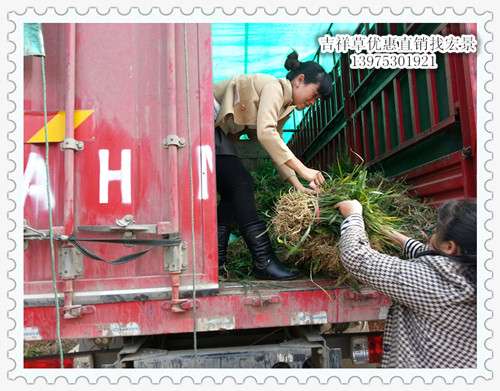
[17, 374]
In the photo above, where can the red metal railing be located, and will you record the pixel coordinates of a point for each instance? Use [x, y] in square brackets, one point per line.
[404, 121]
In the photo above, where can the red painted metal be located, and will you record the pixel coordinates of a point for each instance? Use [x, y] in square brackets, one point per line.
[366, 140]
[143, 84]
[375, 348]
[374, 111]
[386, 121]
[432, 93]
[450, 83]
[35, 201]
[227, 310]
[358, 144]
[449, 110]
[170, 118]
[69, 154]
[69, 107]
[345, 144]
[138, 101]
[440, 180]
[48, 362]
[441, 126]
[465, 75]
[415, 109]
[153, 82]
[331, 152]
[399, 109]
[349, 141]
[449, 165]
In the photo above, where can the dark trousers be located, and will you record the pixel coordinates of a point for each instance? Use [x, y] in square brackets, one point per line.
[236, 190]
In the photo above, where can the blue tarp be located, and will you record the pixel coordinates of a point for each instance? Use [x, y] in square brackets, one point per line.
[240, 48]
[33, 40]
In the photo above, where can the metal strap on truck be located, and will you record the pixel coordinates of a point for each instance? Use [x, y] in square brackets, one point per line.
[126, 258]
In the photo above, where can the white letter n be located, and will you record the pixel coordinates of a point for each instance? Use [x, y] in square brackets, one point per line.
[123, 175]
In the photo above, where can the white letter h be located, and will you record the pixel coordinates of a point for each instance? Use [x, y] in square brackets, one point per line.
[123, 175]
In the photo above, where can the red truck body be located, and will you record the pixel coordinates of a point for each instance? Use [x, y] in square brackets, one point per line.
[131, 89]
[139, 99]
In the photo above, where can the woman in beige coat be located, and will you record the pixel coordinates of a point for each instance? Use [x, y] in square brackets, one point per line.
[259, 106]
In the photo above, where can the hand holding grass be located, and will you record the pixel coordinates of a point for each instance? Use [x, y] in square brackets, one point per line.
[313, 177]
[349, 207]
[294, 181]
[396, 237]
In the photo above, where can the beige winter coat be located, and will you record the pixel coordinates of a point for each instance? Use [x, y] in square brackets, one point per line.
[259, 105]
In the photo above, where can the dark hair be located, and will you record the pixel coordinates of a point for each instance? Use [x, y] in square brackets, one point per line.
[312, 71]
[457, 222]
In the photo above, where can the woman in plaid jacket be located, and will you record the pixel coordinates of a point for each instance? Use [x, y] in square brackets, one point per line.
[432, 320]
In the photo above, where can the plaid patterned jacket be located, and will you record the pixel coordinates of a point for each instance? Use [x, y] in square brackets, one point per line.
[432, 320]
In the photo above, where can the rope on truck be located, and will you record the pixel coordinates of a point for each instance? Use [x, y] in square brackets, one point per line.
[49, 207]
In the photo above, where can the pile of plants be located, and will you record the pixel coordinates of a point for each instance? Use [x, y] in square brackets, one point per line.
[309, 225]
[305, 228]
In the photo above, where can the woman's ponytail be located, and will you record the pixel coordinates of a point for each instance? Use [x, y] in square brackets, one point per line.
[292, 61]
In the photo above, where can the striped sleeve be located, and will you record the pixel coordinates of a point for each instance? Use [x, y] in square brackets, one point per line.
[412, 247]
[354, 220]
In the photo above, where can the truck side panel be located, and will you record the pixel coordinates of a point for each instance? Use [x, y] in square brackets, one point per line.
[143, 111]
[417, 124]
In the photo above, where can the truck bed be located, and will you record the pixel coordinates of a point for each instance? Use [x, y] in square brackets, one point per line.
[235, 305]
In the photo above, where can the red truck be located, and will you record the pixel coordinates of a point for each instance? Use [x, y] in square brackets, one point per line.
[133, 199]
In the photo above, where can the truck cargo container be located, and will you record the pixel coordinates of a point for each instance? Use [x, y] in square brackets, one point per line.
[132, 179]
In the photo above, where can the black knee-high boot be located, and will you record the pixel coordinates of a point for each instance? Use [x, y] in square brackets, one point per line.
[267, 266]
[223, 233]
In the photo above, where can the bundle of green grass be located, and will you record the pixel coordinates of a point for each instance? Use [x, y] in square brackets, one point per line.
[308, 226]
[305, 229]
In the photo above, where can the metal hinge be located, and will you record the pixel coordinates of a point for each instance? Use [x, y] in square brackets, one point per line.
[71, 143]
[76, 311]
[467, 152]
[125, 225]
[180, 305]
[173, 140]
[32, 233]
[125, 221]
[70, 262]
[261, 301]
[175, 258]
